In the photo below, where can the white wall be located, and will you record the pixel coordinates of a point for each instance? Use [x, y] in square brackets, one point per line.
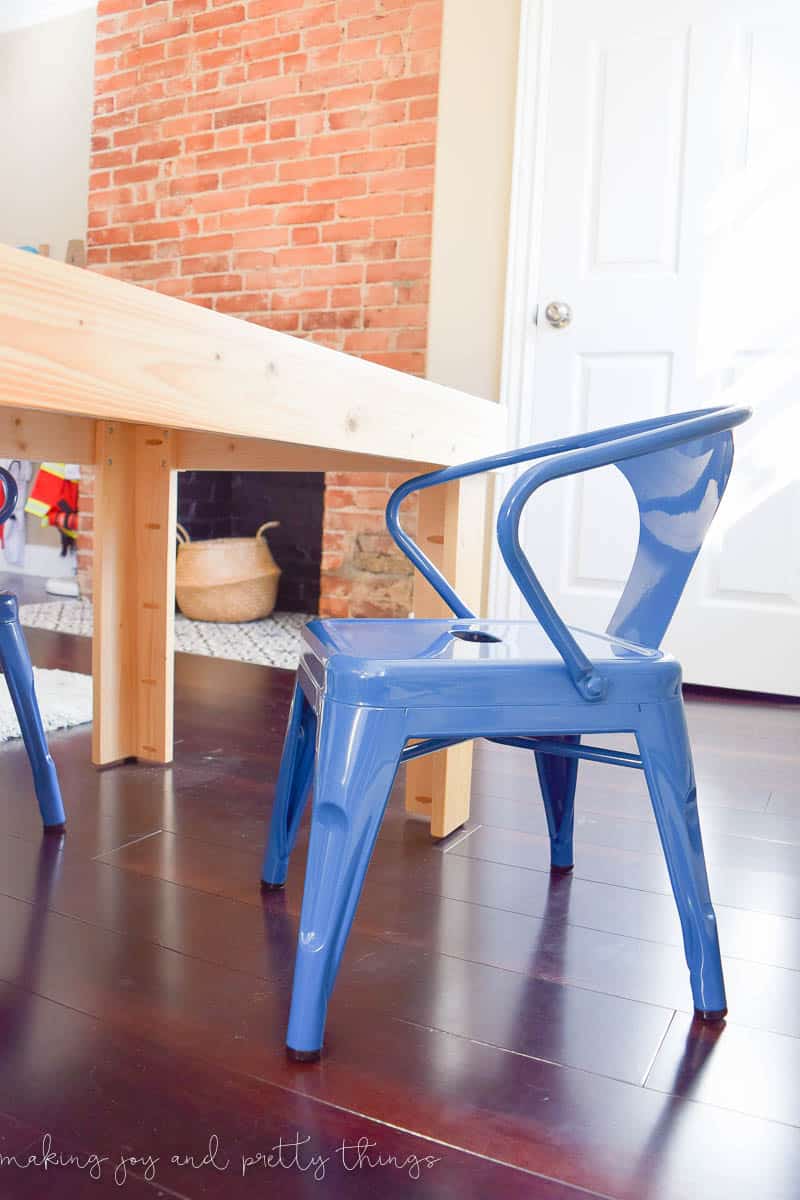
[474, 154]
[46, 86]
[16, 14]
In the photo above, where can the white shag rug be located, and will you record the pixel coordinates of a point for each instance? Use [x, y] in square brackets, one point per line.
[273, 642]
[65, 699]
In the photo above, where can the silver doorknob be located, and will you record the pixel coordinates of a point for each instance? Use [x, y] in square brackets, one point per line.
[558, 313]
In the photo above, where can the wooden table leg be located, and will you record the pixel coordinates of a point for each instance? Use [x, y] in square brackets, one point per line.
[451, 532]
[134, 593]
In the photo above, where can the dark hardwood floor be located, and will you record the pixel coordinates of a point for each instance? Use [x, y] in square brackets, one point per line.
[497, 1031]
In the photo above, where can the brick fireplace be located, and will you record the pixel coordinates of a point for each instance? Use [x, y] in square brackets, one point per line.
[214, 504]
[273, 159]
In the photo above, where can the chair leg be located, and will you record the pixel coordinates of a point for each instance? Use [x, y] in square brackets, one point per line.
[359, 750]
[664, 745]
[18, 671]
[557, 779]
[291, 791]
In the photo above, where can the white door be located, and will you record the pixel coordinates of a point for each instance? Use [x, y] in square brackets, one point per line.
[665, 212]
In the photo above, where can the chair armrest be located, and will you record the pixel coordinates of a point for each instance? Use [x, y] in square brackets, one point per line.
[622, 444]
[419, 483]
[494, 462]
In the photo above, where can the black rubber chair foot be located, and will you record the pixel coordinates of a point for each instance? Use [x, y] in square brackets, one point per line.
[62, 828]
[561, 870]
[271, 887]
[303, 1056]
[711, 1014]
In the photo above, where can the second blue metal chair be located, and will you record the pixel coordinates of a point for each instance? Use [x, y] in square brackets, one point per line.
[372, 694]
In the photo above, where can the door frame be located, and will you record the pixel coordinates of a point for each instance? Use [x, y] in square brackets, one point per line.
[522, 272]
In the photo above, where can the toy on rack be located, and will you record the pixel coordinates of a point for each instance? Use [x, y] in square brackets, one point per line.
[54, 500]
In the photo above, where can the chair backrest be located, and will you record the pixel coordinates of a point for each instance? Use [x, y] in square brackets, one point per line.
[678, 492]
[678, 467]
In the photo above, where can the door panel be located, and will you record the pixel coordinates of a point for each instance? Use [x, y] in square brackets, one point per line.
[633, 216]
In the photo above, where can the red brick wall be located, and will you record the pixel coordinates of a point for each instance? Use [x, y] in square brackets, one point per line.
[274, 159]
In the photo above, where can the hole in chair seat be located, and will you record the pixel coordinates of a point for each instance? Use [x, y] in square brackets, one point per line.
[474, 635]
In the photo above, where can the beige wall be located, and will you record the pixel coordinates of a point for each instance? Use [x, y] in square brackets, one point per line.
[472, 195]
[477, 92]
[46, 83]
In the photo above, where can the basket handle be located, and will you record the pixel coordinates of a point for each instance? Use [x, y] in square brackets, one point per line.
[266, 525]
[181, 534]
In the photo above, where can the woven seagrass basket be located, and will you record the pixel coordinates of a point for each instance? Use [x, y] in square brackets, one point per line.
[226, 579]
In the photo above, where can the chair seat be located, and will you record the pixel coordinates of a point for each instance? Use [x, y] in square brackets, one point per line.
[390, 663]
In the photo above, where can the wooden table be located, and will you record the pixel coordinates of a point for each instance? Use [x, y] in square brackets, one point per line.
[143, 386]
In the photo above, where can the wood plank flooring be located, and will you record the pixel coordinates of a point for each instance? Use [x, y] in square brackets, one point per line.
[496, 1031]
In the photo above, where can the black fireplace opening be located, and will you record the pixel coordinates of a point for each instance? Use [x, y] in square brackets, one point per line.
[213, 504]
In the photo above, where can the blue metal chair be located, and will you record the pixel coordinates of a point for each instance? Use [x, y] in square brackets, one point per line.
[16, 665]
[366, 688]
